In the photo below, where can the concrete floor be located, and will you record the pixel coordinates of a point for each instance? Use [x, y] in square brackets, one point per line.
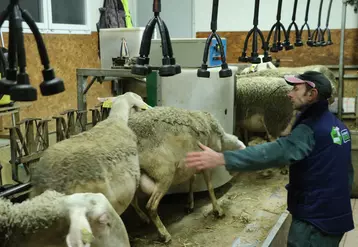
[350, 239]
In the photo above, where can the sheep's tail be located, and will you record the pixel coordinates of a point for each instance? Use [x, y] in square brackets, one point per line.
[80, 232]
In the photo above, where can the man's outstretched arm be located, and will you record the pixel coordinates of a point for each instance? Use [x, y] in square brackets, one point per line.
[284, 150]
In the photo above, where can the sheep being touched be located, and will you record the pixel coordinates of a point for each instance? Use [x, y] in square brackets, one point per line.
[165, 135]
[58, 220]
[103, 159]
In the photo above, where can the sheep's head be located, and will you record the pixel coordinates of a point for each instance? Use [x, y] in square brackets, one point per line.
[94, 222]
[126, 104]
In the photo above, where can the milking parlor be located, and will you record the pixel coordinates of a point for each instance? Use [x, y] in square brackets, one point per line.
[230, 123]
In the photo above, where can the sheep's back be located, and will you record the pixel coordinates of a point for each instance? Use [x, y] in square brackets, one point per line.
[33, 215]
[282, 71]
[88, 156]
[156, 122]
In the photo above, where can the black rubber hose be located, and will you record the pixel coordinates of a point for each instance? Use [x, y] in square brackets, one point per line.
[39, 41]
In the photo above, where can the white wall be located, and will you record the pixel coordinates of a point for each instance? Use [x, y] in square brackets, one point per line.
[237, 15]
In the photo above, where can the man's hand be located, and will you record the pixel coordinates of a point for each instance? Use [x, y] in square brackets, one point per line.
[207, 158]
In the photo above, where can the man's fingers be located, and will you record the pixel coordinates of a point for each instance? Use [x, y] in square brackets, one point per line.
[193, 155]
[195, 163]
[202, 146]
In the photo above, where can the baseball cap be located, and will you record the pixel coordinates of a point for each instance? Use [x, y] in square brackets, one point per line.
[313, 78]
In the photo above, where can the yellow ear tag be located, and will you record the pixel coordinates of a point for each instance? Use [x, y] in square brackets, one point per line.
[87, 237]
[107, 104]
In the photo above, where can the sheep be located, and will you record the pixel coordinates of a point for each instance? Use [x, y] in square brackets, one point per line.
[257, 67]
[165, 134]
[270, 71]
[262, 104]
[103, 159]
[58, 220]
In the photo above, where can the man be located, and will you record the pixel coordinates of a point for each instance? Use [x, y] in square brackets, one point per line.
[319, 153]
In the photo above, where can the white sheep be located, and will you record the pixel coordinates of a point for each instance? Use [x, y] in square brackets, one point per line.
[103, 159]
[165, 135]
[58, 220]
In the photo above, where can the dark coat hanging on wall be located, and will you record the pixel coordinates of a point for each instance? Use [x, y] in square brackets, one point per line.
[112, 15]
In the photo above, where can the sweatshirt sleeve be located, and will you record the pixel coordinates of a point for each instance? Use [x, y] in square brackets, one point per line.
[285, 150]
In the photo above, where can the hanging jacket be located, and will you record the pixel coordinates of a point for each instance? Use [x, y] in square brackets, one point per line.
[113, 14]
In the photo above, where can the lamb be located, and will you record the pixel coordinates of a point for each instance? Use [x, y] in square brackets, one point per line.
[103, 159]
[165, 135]
[58, 220]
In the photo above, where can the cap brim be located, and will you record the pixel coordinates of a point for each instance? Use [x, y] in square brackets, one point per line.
[291, 79]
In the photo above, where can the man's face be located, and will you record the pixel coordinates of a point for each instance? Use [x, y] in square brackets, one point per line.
[300, 96]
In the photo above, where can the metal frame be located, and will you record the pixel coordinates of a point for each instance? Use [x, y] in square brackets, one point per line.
[105, 75]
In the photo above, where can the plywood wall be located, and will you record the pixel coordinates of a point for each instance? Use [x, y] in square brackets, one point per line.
[67, 53]
[299, 56]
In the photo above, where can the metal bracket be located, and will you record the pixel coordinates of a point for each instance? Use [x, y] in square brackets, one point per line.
[73, 126]
[27, 146]
[352, 2]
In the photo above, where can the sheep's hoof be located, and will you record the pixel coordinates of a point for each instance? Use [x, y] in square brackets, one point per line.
[165, 238]
[188, 210]
[219, 213]
[145, 219]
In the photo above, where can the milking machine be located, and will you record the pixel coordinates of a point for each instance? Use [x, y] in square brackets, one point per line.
[225, 70]
[255, 32]
[169, 66]
[17, 83]
[298, 41]
[277, 45]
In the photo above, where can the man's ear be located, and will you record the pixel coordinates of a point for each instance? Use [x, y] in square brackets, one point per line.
[314, 93]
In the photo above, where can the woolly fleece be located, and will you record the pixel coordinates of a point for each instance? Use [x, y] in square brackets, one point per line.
[282, 71]
[166, 134]
[30, 216]
[266, 96]
[106, 152]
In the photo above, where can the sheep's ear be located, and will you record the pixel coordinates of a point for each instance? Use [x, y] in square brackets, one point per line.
[104, 218]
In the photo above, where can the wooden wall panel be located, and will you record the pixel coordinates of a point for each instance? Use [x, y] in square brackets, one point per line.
[67, 53]
[299, 56]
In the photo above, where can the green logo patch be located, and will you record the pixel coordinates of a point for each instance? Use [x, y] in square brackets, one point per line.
[336, 135]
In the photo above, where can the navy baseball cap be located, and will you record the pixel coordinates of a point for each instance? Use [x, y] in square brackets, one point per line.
[314, 79]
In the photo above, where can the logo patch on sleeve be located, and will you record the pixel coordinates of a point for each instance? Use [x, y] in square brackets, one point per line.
[345, 136]
[336, 135]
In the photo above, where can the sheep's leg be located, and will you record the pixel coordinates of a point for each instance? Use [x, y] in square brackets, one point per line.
[156, 192]
[190, 207]
[269, 137]
[139, 211]
[152, 207]
[217, 210]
